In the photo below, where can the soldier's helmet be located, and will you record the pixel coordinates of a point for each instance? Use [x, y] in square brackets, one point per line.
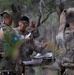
[6, 11]
[66, 17]
[70, 17]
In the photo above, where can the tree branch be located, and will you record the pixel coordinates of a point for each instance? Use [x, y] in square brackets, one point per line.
[47, 17]
[40, 10]
[16, 8]
[51, 11]
[39, 19]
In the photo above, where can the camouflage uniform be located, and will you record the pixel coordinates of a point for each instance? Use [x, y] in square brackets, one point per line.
[28, 46]
[69, 39]
[69, 44]
[66, 43]
[66, 40]
[4, 27]
[5, 61]
[26, 50]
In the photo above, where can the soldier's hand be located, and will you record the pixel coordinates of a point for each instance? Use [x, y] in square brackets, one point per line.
[32, 29]
[28, 38]
[1, 33]
[44, 45]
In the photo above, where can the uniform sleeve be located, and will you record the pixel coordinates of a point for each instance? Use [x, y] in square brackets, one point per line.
[37, 47]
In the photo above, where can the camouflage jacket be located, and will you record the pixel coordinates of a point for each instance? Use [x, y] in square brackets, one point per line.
[69, 39]
[65, 40]
[28, 46]
[26, 49]
[4, 27]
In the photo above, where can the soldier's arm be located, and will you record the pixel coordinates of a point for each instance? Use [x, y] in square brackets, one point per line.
[39, 48]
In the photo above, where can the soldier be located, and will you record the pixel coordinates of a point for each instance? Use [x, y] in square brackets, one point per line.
[62, 36]
[69, 36]
[69, 41]
[5, 25]
[28, 46]
[40, 45]
[66, 58]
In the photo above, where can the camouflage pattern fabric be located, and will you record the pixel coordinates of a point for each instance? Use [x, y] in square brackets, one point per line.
[4, 27]
[26, 50]
[4, 61]
[1, 45]
[69, 39]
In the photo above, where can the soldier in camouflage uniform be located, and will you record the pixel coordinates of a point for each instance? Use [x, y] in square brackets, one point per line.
[69, 43]
[67, 33]
[66, 38]
[6, 23]
[4, 26]
[38, 41]
[28, 46]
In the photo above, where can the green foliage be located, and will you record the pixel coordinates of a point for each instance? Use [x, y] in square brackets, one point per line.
[5, 4]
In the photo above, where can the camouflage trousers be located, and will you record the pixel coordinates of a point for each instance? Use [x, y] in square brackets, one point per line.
[7, 65]
[28, 70]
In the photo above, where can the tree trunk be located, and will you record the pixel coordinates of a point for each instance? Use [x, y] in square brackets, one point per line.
[16, 8]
